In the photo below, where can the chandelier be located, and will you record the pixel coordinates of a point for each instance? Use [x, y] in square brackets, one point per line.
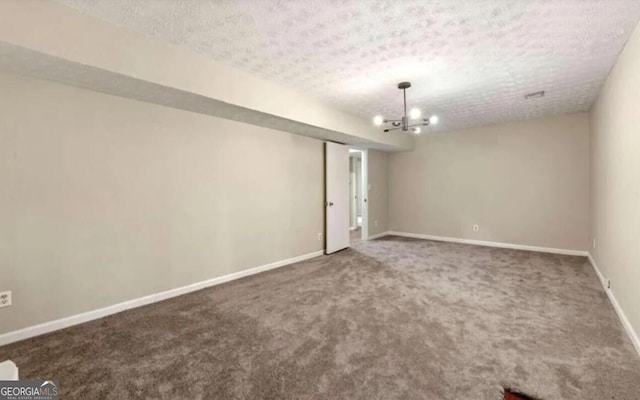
[409, 122]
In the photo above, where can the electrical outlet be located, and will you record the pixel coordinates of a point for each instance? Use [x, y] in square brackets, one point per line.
[594, 243]
[320, 236]
[476, 228]
[5, 298]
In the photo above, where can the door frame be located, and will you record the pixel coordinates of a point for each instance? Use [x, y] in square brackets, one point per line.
[365, 195]
[353, 207]
[364, 189]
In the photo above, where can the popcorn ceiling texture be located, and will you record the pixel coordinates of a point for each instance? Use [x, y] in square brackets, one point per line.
[470, 61]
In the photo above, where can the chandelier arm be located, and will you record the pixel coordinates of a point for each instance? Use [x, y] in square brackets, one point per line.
[422, 124]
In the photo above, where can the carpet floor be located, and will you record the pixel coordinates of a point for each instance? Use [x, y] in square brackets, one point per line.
[392, 318]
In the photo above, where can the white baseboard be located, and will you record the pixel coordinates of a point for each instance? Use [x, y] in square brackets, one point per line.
[378, 235]
[635, 340]
[492, 244]
[66, 322]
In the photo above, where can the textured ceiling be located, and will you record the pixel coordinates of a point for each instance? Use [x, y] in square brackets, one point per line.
[470, 61]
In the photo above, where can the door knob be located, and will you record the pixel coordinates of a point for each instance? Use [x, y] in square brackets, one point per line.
[330, 203]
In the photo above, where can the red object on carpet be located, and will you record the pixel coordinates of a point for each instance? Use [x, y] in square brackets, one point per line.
[509, 395]
[513, 396]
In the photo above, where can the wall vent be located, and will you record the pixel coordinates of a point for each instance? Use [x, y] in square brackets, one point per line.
[534, 95]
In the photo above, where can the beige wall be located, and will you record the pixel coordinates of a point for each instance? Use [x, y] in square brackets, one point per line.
[523, 183]
[104, 199]
[378, 165]
[615, 180]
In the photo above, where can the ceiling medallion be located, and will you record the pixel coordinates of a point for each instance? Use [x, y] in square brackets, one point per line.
[405, 122]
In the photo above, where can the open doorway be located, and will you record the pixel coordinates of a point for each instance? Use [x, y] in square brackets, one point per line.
[357, 196]
[346, 207]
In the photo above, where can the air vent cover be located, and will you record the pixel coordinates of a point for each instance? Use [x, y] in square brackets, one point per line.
[534, 95]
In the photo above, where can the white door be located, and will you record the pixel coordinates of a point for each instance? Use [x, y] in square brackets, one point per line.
[336, 196]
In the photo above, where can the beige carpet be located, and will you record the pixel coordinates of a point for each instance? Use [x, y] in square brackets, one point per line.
[391, 319]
